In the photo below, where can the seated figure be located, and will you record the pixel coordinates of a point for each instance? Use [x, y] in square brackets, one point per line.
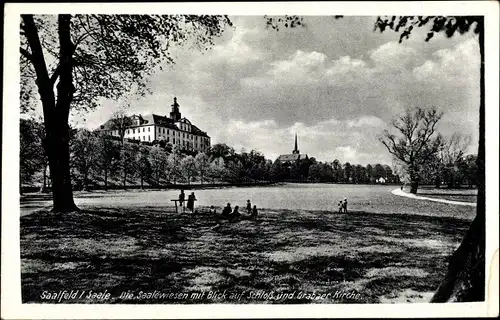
[212, 210]
[227, 210]
[236, 213]
[254, 212]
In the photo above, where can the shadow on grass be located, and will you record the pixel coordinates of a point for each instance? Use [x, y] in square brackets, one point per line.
[152, 249]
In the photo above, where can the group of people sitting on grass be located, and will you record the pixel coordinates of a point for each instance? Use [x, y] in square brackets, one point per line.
[227, 212]
[230, 213]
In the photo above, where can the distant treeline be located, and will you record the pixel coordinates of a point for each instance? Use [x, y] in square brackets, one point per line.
[100, 161]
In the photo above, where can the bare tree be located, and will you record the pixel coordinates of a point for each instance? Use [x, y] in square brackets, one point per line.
[120, 122]
[451, 155]
[455, 147]
[416, 141]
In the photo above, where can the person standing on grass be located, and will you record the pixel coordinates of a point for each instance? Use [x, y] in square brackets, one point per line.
[341, 206]
[182, 197]
[344, 205]
[190, 202]
[249, 207]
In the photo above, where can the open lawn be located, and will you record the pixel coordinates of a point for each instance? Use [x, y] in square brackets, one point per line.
[372, 257]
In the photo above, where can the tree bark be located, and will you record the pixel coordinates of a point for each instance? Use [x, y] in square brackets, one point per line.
[55, 115]
[85, 181]
[105, 178]
[413, 184]
[464, 281]
[57, 149]
[44, 176]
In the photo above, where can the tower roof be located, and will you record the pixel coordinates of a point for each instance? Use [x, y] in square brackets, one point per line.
[296, 149]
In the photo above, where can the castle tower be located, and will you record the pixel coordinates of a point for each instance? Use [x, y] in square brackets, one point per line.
[296, 150]
[175, 114]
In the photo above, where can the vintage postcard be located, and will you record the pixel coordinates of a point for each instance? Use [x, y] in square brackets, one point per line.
[209, 160]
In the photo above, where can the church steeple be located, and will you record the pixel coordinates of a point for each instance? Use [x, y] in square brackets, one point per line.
[175, 114]
[296, 150]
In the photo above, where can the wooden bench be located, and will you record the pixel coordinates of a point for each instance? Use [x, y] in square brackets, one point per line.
[175, 201]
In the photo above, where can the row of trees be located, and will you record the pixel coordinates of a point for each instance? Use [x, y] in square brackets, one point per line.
[97, 159]
[100, 159]
[450, 166]
[350, 173]
[332, 172]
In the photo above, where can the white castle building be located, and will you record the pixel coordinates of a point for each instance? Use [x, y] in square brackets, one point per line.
[175, 130]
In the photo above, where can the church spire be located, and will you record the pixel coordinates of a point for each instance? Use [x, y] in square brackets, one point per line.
[296, 150]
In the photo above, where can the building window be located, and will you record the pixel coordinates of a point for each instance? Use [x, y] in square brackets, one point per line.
[168, 131]
[133, 130]
[149, 138]
[149, 129]
[144, 138]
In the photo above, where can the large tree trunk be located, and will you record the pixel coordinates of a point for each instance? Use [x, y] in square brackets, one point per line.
[55, 114]
[464, 281]
[413, 185]
[44, 183]
[437, 183]
[413, 180]
[105, 178]
[85, 181]
[57, 148]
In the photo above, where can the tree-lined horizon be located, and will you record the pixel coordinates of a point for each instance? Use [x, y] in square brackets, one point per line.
[99, 160]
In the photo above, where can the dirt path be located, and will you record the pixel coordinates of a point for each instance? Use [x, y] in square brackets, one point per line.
[399, 192]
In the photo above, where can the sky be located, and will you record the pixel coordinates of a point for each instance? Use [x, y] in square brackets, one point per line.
[337, 84]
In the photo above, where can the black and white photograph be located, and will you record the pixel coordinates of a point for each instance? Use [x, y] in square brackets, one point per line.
[186, 155]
